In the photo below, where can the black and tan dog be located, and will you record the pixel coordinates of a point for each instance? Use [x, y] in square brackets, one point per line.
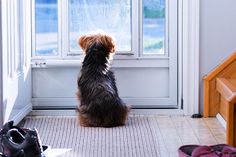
[100, 104]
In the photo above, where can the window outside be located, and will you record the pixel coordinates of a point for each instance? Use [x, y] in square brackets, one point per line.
[46, 27]
[110, 16]
[153, 26]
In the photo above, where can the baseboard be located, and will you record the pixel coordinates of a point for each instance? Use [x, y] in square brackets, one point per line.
[69, 112]
[167, 112]
[20, 114]
[221, 120]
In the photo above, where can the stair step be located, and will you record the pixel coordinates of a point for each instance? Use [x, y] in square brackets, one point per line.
[227, 88]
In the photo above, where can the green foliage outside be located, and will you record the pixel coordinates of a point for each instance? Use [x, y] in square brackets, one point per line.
[148, 13]
[153, 45]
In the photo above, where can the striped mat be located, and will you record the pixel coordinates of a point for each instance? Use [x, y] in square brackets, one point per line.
[67, 139]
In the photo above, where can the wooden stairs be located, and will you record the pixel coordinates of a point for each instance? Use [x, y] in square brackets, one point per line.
[220, 95]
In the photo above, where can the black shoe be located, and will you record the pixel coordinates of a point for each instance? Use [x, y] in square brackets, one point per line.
[14, 144]
[20, 142]
[9, 125]
[6, 127]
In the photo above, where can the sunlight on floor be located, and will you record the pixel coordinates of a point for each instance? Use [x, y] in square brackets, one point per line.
[56, 152]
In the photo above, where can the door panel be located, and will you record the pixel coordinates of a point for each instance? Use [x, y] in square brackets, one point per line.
[146, 75]
[16, 60]
[141, 87]
[131, 82]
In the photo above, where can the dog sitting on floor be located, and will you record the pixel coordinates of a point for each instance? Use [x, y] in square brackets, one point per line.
[100, 104]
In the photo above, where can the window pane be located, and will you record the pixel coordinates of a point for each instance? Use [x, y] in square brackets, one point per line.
[153, 26]
[110, 16]
[46, 27]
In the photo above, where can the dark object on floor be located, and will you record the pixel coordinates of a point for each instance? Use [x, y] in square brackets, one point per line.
[219, 150]
[100, 104]
[197, 115]
[20, 142]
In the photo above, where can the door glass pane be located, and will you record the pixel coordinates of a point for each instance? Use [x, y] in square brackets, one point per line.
[46, 27]
[153, 27]
[110, 16]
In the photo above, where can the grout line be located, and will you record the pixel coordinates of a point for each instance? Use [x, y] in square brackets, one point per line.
[199, 142]
[181, 140]
[213, 132]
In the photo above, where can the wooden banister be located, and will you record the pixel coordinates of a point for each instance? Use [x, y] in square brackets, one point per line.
[227, 69]
[220, 95]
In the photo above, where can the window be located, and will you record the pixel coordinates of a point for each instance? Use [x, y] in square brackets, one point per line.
[112, 17]
[46, 27]
[153, 26]
[140, 28]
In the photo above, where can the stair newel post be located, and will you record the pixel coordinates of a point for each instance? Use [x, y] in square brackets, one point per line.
[231, 126]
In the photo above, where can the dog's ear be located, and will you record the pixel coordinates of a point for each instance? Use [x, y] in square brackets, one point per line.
[108, 43]
[86, 41]
[83, 42]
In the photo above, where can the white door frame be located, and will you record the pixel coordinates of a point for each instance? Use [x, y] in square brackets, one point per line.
[190, 59]
[188, 56]
[1, 88]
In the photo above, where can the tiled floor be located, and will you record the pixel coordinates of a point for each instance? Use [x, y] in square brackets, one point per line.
[174, 131]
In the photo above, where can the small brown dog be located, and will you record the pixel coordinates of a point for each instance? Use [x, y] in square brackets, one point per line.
[100, 104]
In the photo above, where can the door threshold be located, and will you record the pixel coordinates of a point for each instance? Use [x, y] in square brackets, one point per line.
[72, 112]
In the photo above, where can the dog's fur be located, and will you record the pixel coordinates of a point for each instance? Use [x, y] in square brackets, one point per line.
[100, 104]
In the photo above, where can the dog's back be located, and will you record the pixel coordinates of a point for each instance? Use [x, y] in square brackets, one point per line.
[100, 104]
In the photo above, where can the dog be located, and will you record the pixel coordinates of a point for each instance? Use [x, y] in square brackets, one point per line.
[100, 104]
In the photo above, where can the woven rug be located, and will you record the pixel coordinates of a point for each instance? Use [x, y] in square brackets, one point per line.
[67, 139]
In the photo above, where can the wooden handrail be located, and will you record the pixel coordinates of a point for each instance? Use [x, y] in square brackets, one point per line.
[220, 67]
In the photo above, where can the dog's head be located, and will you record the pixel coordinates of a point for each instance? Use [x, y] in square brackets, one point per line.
[100, 42]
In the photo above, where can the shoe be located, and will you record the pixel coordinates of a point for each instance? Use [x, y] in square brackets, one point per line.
[20, 142]
[6, 127]
[14, 144]
[218, 150]
[9, 125]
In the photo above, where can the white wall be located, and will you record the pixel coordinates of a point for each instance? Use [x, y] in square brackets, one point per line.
[217, 35]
